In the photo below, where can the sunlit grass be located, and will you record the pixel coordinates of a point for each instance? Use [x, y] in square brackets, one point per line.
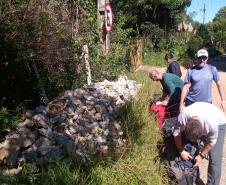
[154, 59]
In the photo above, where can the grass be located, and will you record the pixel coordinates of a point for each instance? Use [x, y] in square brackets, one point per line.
[154, 59]
[157, 59]
[138, 162]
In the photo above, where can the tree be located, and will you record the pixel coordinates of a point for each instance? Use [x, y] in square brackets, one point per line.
[217, 29]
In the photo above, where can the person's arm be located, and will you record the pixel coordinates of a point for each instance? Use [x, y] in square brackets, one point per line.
[178, 142]
[183, 154]
[206, 149]
[178, 129]
[184, 93]
[164, 100]
[221, 93]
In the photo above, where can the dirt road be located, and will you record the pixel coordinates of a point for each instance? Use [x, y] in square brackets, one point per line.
[220, 63]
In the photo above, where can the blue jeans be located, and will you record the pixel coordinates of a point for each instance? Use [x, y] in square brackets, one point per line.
[215, 158]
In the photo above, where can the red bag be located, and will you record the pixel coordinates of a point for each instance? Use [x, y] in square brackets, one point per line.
[160, 112]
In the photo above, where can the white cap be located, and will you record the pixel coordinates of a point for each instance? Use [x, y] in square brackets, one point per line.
[202, 52]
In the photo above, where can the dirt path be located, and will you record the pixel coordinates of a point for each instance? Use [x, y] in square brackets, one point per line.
[220, 63]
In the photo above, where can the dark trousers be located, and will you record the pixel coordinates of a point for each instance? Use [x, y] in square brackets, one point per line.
[215, 158]
[188, 102]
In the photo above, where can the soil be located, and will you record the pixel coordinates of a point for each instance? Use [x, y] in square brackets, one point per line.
[220, 63]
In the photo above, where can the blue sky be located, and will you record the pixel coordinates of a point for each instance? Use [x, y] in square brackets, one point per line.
[212, 7]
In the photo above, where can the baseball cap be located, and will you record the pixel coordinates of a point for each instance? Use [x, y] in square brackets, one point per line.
[202, 52]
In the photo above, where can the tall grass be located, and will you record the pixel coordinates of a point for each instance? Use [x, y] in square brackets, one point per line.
[157, 58]
[137, 163]
[154, 59]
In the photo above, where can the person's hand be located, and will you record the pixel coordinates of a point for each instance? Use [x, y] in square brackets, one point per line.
[181, 108]
[198, 159]
[185, 155]
[158, 103]
[165, 103]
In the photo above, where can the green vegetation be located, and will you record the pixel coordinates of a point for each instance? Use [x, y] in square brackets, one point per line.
[42, 41]
[41, 44]
[217, 30]
[154, 58]
[7, 119]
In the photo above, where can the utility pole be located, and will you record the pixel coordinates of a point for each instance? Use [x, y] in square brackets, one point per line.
[204, 12]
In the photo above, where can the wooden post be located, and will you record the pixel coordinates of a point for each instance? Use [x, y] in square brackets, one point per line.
[85, 57]
[107, 42]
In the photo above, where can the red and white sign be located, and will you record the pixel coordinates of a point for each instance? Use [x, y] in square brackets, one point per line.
[108, 17]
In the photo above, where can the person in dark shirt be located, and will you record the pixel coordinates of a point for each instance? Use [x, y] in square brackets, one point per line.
[172, 86]
[173, 66]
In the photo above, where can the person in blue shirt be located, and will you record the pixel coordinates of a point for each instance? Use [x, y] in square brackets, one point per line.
[198, 82]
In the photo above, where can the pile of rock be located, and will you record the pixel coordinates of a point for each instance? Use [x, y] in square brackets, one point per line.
[78, 123]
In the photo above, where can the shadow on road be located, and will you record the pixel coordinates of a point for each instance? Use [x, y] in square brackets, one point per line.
[219, 62]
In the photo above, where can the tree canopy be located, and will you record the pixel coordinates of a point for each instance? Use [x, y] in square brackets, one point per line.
[217, 29]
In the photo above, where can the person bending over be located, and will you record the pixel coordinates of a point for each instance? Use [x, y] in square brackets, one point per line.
[206, 122]
[171, 85]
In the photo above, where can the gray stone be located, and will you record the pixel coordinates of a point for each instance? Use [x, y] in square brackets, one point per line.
[78, 123]
[26, 123]
[70, 148]
[58, 118]
[98, 117]
[68, 93]
[48, 133]
[40, 120]
[40, 141]
[50, 152]
[29, 114]
[75, 116]
[29, 155]
[101, 139]
[39, 109]
[60, 139]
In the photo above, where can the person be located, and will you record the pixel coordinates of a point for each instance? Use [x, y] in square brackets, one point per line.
[172, 85]
[206, 122]
[173, 66]
[198, 82]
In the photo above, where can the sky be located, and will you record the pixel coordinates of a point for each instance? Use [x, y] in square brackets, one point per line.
[212, 7]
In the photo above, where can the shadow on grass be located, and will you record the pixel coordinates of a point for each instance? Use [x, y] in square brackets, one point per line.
[133, 123]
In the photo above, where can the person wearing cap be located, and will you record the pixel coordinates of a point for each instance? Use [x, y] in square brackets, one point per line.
[198, 82]
[173, 66]
[172, 85]
[206, 122]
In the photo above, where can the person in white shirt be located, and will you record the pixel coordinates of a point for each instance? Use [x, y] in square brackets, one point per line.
[206, 122]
